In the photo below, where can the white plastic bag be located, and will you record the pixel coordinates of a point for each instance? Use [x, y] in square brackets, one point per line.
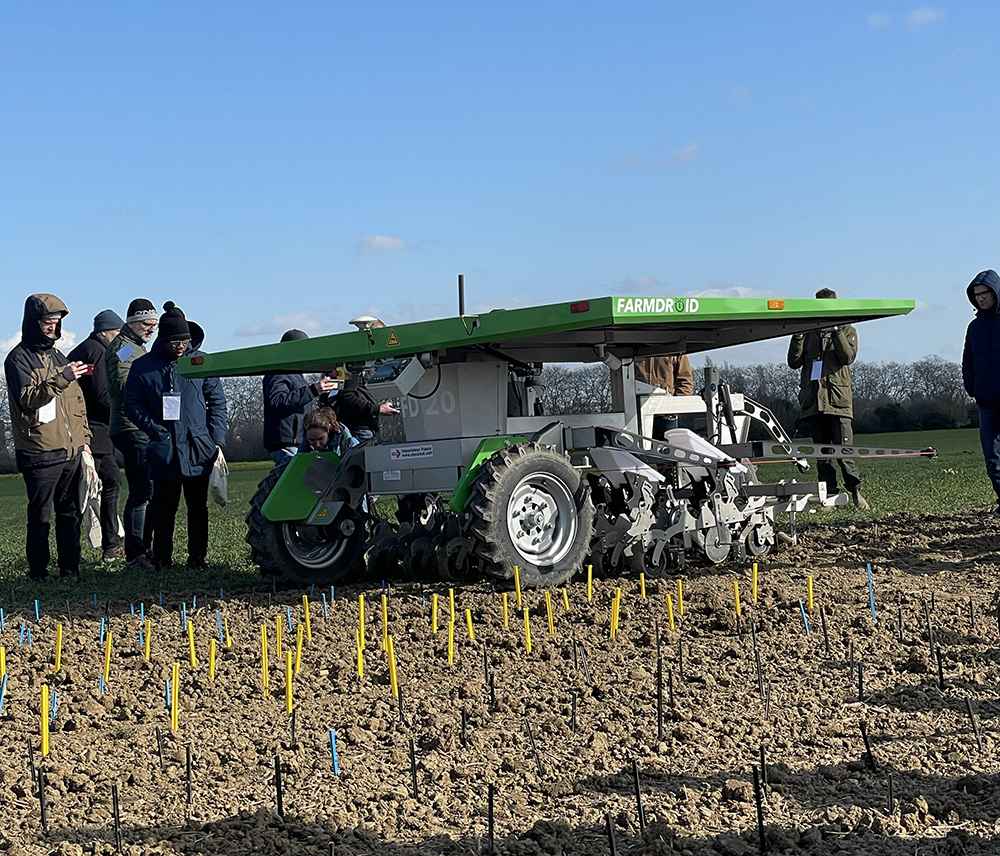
[218, 481]
[90, 498]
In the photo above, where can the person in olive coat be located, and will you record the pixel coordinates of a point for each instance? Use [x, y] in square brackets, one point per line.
[185, 420]
[825, 357]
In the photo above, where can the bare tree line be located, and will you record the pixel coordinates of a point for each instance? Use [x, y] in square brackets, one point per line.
[892, 396]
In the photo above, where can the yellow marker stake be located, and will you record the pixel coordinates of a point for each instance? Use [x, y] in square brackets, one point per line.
[175, 697]
[548, 610]
[434, 613]
[45, 721]
[393, 675]
[506, 613]
[59, 635]
[361, 657]
[263, 654]
[305, 609]
[614, 615]
[754, 583]
[451, 599]
[147, 643]
[225, 628]
[590, 582]
[298, 649]
[680, 598]
[288, 683]
[809, 582]
[468, 620]
[517, 585]
[451, 642]
[736, 594]
[361, 621]
[385, 621]
[211, 658]
[278, 647]
[194, 659]
[3, 661]
[642, 584]
[670, 610]
[107, 658]
[527, 631]
[566, 600]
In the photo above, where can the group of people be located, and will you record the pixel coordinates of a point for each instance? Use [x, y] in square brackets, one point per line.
[119, 389]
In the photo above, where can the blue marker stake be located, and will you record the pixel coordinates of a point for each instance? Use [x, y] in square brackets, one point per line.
[100, 684]
[324, 605]
[331, 594]
[29, 635]
[333, 753]
[55, 706]
[184, 616]
[133, 608]
[142, 612]
[3, 692]
[102, 631]
[37, 616]
[168, 693]
[20, 641]
[221, 595]
[161, 598]
[194, 603]
[218, 621]
[288, 609]
[3, 621]
[95, 599]
[312, 591]
[805, 620]
[142, 640]
[871, 593]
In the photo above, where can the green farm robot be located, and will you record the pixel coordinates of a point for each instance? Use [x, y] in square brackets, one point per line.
[490, 484]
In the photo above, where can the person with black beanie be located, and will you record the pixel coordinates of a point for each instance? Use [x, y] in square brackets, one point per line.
[185, 421]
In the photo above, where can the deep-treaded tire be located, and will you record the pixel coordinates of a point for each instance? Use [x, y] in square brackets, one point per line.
[302, 553]
[530, 508]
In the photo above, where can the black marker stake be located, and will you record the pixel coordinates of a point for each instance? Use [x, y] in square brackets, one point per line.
[940, 666]
[489, 822]
[116, 810]
[413, 769]
[277, 786]
[42, 805]
[826, 635]
[188, 752]
[869, 757]
[760, 811]
[159, 749]
[611, 834]
[638, 797]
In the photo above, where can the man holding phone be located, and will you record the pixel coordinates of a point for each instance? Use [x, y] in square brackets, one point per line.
[94, 385]
[48, 419]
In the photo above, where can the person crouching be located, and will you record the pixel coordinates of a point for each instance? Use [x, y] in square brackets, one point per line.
[323, 433]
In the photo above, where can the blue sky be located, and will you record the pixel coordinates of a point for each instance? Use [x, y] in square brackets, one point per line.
[272, 165]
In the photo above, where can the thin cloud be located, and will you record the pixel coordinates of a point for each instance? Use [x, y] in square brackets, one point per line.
[642, 283]
[409, 313]
[65, 344]
[878, 20]
[383, 244]
[723, 290]
[304, 319]
[740, 93]
[923, 16]
[629, 160]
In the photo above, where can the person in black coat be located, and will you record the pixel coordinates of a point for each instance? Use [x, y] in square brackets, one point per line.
[287, 399]
[185, 420]
[95, 394]
[981, 367]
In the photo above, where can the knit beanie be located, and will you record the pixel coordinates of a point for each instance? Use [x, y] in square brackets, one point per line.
[107, 319]
[293, 335]
[140, 309]
[173, 325]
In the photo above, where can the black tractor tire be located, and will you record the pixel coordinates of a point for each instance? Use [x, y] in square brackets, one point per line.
[301, 553]
[530, 508]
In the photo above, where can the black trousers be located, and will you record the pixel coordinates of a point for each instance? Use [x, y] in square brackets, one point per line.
[53, 486]
[111, 483]
[166, 501]
[838, 431]
[138, 520]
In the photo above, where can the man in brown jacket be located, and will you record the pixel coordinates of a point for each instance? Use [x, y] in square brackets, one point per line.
[49, 422]
[671, 373]
[825, 358]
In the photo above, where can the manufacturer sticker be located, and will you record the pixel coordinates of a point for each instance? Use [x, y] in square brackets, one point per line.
[406, 453]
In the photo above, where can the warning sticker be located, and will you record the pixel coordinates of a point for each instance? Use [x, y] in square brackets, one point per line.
[406, 453]
[393, 339]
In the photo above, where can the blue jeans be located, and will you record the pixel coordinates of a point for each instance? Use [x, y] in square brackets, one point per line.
[989, 436]
[283, 456]
[138, 525]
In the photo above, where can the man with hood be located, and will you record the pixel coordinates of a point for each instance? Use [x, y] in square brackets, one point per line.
[981, 368]
[825, 358]
[94, 387]
[49, 422]
[124, 350]
[287, 399]
[185, 420]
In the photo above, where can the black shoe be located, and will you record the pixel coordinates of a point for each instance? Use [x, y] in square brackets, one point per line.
[38, 576]
[195, 564]
[67, 572]
[113, 554]
[140, 563]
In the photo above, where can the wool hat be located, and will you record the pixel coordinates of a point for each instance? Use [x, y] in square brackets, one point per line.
[140, 309]
[293, 335]
[174, 326]
[107, 319]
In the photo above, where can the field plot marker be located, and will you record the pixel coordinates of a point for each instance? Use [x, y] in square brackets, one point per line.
[211, 659]
[298, 649]
[975, 723]
[611, 834]
[940, 669]
[434, 612]
[306, 618]
[277, 787]
[871, 593]
[869, 757]
[116, 811]
[517, 586]
[805, 620]
[761, 839]
[534, 748]
[45, 721]
[159, 749]
[590, 588]
[680, 598]
[59, 641]
[891, 796]
[753, 583]
[468, 621]
[333, 753]
[42, 802]
[670, 611]
[393, 675]
[490, 847]
[263, 656]
[548, 611]
[527, 631]
[413, 769]
[638, 797]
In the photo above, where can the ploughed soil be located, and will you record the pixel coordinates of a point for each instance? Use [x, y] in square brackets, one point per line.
[556, 735]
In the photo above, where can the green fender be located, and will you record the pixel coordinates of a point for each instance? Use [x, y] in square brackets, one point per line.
[485, 450]
[296, 496]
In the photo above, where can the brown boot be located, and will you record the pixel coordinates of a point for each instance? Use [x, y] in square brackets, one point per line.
[859, 500]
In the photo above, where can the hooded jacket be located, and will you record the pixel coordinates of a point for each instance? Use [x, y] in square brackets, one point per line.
[356, 407]
[287, 399]
[95, 391]
[830, 395]
[124, 350]
[178, 448]
[981, 355]
[47, 413]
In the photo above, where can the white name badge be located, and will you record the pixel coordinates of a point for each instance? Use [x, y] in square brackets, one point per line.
[47, 412]
[124, 352]
[171, 408]
[817, 371]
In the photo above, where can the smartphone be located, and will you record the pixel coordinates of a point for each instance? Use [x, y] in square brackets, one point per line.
[88, 369]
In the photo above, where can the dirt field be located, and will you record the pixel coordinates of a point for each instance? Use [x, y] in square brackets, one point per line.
[589, 722]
